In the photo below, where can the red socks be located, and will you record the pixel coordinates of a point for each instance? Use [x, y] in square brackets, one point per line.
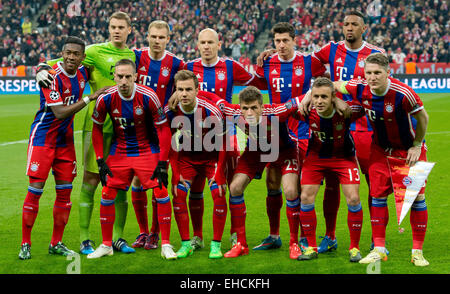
[308, 220]
[331, 200]
[107, 214]
[139, 200]
[164, 213]
[238, 212]
[354, 222]
[219, 212]
[274, 202]
[293, 216]
[61, 211]
[181, 212]
[379, 219]
[29, 212]
[419, 221]
[196, 210]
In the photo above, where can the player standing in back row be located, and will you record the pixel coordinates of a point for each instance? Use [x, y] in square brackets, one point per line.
[288, 74]
[346, 61]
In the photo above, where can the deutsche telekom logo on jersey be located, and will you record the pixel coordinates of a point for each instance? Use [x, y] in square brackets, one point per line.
[213, 134]
[278, 83]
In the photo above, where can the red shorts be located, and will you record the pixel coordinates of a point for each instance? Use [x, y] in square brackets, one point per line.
[191, 169]
[124, 168]
[379, 174]
[363, 140]
[250, 162]
[62, 160]
[315, 168]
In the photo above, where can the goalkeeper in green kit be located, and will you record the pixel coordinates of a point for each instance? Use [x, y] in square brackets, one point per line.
[100, 60]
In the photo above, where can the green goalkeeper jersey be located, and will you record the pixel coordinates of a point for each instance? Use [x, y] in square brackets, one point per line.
[100, 60]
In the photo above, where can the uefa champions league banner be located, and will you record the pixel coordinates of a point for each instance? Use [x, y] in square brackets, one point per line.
[419, 83]
[407, 182]
[429, 83]
[23, 86]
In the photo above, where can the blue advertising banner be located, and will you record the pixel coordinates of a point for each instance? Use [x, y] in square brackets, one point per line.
[420, 84]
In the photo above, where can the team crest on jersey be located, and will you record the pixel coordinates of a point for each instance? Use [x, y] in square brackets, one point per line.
[221, 75]
[389, 108]
[361, 63]
[288, 105]
[82, 83]
[34, 166]
[138, 110]
[165, 72]
[298, 71]
[339, 127]
[54, 95]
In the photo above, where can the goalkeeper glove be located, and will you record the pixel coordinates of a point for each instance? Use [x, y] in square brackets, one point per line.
[44, 75]
[103, 170]
[160, 173]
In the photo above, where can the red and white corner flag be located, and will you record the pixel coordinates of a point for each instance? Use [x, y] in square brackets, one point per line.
[407, 182]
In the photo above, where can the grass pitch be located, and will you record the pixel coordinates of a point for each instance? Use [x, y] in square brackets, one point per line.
[16, 115]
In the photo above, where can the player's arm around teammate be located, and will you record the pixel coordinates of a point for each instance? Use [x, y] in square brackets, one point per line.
[51, 144]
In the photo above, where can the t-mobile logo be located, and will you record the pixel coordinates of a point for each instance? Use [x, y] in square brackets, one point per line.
[278, 83]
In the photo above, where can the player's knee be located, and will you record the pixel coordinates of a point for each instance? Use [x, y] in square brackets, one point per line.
[290, 193]
[136, 182]
[307, 198]
[236, 188]
[353, 200]
[91, 178]
[420, 197]
[36, 183]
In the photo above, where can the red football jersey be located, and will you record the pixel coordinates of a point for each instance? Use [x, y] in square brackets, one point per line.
[133, 120]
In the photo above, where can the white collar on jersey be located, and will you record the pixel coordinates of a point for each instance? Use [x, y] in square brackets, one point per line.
[355, 50]
[385, 91]
[290, 60]
[192, 111]
[64, 72]
[132, 94]
[212, 64]
[164, 55]
[328, 116]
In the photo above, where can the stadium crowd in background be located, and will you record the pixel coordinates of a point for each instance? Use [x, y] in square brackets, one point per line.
[30, 34]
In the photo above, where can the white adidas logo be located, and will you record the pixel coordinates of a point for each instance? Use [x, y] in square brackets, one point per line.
[116, 111]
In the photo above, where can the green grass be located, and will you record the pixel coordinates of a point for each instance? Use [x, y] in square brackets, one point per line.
[16, 115]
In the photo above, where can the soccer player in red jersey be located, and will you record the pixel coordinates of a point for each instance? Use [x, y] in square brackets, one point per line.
[217, 75]
[399, 122]
[197, 118]
[288, 73]
[331, 151]
[156, 69]
[51, 145]
[269, 142]
[346, 62]
[140, 147]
